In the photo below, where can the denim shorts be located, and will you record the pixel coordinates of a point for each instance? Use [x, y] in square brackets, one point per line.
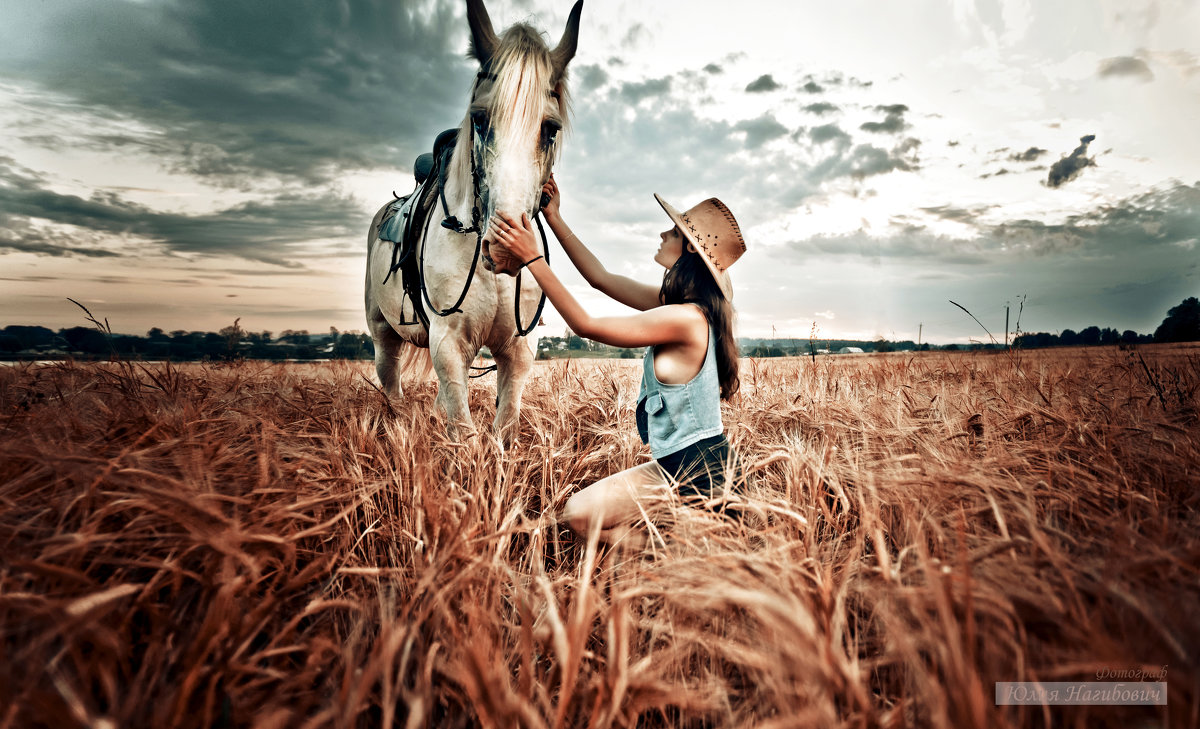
[701, 467]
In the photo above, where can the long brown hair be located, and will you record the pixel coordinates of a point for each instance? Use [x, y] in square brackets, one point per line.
[690, 282]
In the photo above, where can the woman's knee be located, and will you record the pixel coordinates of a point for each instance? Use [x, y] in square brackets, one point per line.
[578, 514]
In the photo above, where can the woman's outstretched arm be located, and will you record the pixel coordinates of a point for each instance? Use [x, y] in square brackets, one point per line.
[622, 288]
[659, 325]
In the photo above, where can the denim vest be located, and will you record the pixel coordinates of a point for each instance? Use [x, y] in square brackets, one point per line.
[672, 417]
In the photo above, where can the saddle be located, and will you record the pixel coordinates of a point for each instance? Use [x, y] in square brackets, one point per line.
[405, 219]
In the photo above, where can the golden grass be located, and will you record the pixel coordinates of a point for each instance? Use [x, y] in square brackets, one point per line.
[273, 545]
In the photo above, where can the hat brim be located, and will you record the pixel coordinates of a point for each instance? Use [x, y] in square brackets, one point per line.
[721, 277]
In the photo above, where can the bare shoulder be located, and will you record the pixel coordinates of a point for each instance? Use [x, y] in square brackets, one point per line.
[691, 316]
[678, 362]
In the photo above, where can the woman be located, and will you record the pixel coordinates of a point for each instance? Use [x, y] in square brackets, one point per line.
[691, 363]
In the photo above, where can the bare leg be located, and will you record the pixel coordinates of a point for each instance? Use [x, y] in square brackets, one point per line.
[513, 363]
[612, 503]
[387, 353]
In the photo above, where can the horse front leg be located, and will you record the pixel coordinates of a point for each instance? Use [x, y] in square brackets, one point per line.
[513, 364]
[451, 354]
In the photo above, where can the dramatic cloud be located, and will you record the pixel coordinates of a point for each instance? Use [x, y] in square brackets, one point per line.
[830, 133]
[658, 150]
[274, 231]
[1165, 220]
[1029, 155]
[821, 108]
[634, 93]
[869, 160]
[295, 90]
[957, 214]
[893, 122]
[761, 130]
[1125, 66]
[1169, 216]
[762, 84]
[21, 236]
[673, 149]
[589, 78]
[865, 160]
[905, 242]
[635, 36]
[1069, 167]
[204, 134]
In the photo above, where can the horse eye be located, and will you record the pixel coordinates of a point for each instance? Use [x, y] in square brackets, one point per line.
[550, 129]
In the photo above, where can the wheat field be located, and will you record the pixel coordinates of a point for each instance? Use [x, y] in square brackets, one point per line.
[275, 545]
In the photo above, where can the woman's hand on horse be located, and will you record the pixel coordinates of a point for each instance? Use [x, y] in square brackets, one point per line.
[551, 196]
[518, 236]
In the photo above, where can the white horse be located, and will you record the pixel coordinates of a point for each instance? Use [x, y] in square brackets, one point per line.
[506, 146]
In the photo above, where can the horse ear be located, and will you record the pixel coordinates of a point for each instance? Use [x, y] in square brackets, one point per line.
[483, 38]
[565, 50]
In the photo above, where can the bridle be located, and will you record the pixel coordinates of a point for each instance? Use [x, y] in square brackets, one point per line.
[481, 134]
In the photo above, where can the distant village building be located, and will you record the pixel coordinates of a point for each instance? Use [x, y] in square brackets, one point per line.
[850, 350]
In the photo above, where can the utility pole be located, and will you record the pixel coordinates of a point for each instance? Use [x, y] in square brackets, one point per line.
[919, 328]
[1006, 325]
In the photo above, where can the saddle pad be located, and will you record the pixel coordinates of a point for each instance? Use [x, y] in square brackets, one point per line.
[392, 228]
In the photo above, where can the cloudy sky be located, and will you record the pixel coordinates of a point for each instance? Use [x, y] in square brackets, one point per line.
[180, 163]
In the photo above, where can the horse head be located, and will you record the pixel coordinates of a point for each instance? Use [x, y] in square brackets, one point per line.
[519, 106]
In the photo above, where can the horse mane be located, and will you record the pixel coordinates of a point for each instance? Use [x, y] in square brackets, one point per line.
[524, 73]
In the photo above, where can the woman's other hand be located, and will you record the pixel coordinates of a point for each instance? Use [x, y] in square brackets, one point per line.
[551, 195]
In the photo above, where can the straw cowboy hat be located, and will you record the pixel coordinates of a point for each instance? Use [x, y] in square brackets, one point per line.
[714, 234]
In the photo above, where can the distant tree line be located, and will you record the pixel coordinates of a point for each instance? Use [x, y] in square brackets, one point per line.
[1090, 336]
[573, 345]
[229, 343]
[1182, 324]
[803, 347]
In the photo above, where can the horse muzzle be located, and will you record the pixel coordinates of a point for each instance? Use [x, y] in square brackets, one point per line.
[497, 259]
[488, 264]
